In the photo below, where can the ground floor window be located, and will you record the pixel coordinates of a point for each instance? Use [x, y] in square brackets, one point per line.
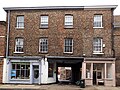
[108, 70]
[50, 69]
[20, 71]
[88, 70]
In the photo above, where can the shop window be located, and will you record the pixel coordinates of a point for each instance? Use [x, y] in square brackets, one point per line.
[20, 71]
[88, 70]
[50, 69]
[109, 70]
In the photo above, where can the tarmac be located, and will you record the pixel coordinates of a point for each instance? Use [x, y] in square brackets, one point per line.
[53, 87]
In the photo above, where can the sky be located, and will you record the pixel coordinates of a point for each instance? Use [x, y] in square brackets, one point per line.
[32, 3]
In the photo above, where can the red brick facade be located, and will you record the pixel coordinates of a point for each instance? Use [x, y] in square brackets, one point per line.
[2, 46]
[82, 32]
[117, 46]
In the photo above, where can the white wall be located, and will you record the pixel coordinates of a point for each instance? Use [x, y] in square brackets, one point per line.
[44, 73]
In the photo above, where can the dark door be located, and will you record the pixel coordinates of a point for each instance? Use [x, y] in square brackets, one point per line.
[36, 73]
[94, 78]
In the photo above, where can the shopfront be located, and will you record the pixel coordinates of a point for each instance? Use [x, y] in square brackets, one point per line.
[99, 71]
[22, 70]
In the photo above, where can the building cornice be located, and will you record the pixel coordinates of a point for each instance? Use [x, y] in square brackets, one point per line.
[61, 7]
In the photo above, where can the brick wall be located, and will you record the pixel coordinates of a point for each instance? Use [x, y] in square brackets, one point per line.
[117, 47]
[1, 70]
[2, 46]
[82, 32]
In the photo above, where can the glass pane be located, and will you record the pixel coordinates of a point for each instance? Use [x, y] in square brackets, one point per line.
[22, 74]
[50, 69]
[88, 70]
[18, 75]
[22, 66]
[36, 74]
[13, 66]
[18, 66]
[99, 75]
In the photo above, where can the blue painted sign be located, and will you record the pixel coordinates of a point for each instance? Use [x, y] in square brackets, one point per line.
[13, 73]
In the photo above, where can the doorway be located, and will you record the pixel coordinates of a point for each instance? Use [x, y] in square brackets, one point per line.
[94, 78]
[36, 74]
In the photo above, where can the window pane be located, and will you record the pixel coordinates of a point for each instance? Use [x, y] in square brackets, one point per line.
[88, 70]
[44, 21]
[19, 45]
[68, 45]
[20, 21]
[97, 45]
[21, 71]
[43, 45]
[109, 70]
[68, 20]
[50, 69]
[97, 20]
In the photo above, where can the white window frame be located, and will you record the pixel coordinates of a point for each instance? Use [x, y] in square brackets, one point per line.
[68, 21]
[20, 21]
[41, 40]
[97, 45]
[97, 20]
[44, 20]
[26, 69]
[20, 44]
[68, 45]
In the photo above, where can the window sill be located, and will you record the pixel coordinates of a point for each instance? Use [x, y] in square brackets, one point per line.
[109, 79]
[43, 52]
[99, 53]
[19, 79]
[68, 52]
[98, 27]
[20, 28]
[18, 52]
[68, 27]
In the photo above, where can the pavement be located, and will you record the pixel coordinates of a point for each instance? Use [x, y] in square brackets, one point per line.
[53, 87]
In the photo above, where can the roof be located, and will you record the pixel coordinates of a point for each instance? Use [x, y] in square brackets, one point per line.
[61, 7]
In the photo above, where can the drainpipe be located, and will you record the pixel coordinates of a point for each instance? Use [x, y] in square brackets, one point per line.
[5, 69]
[8, 31]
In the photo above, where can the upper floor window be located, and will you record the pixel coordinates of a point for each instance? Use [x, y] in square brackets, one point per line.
[44, 22]
[68, 21]
[97, 45]
[19, 45]
[43, 45]
[20, 21]
[68, 45]
[97, 21]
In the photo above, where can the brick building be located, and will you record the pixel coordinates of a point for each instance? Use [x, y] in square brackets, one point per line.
[116, 38]
[41, 39]
[2, 46]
